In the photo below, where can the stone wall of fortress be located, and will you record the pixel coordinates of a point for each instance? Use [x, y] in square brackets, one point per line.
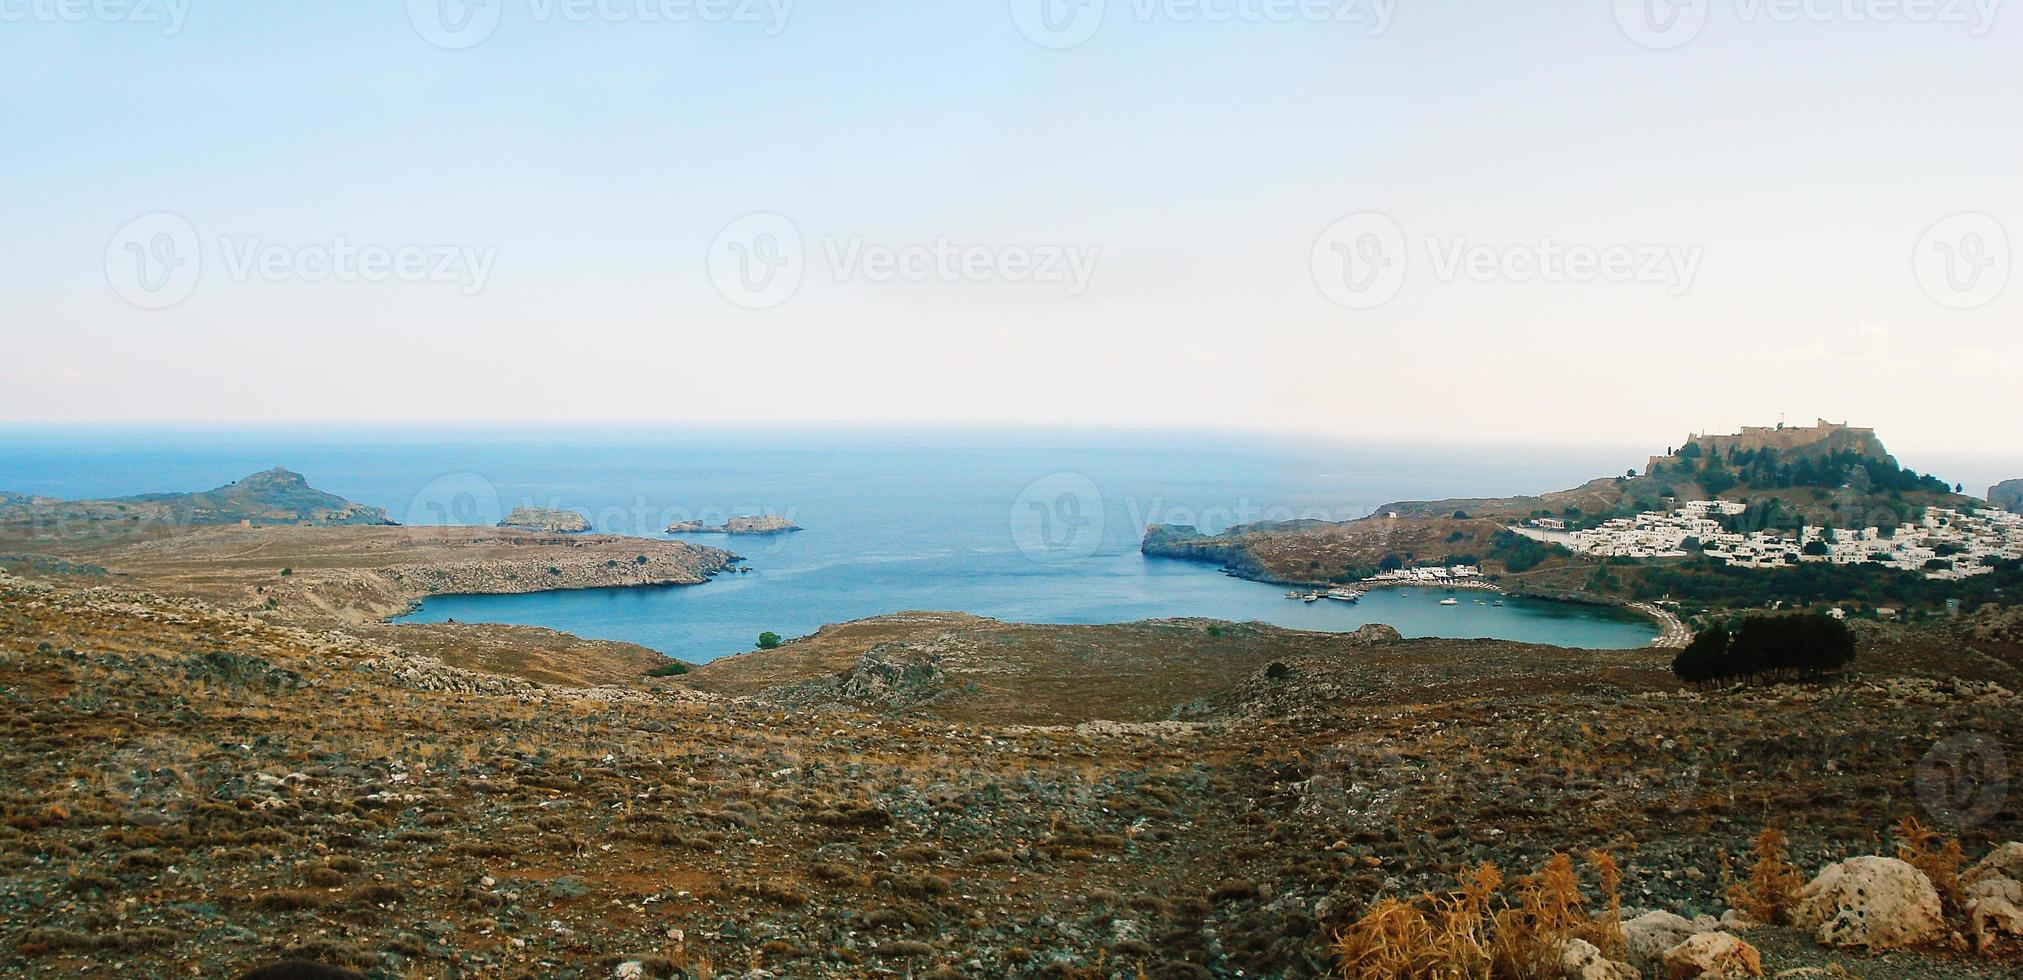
[1824, 437]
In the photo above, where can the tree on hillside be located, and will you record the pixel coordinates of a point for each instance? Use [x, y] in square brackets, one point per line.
[1777, 648]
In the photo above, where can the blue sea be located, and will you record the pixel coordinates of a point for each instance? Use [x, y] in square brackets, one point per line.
[1019, 525]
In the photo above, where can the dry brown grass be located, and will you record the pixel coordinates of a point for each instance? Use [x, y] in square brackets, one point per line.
[1531, 932]
[1771, 891]
[1477, 933]
[1438, 938]
[1921, 847]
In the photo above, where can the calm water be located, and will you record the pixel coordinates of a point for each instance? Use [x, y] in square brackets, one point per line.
[1020, 526]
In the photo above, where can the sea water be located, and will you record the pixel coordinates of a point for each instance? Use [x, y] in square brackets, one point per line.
[1020, 525]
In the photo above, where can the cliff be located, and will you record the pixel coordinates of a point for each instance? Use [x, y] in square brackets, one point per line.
[2007, 495]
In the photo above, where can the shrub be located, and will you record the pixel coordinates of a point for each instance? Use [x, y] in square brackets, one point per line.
[1770, 893]
[1919, 847]
[1475, 932]
[672, 668]
[769, 640]
[1804, 647]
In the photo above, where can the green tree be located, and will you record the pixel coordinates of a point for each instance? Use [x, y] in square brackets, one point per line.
[769, 640]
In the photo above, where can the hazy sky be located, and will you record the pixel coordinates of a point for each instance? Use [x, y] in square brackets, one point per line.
[1571, 221]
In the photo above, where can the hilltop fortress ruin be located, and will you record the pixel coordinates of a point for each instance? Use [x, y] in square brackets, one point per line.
[1822, 438]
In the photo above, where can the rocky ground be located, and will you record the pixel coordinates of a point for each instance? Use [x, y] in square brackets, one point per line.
[196, 783]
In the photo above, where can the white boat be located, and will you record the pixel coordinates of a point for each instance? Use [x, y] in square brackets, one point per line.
[1450, 602]
[1344, 595]
[1311, 597]
[1294, 595]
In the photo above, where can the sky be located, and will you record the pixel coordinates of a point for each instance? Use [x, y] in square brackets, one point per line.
[1582, 221]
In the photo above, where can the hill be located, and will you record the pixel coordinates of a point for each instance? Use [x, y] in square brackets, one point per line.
[1827, 475]
[270, 497]
[2007, 495]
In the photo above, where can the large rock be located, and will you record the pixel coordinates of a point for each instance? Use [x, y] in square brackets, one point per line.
[1580, 960]
[1992, 918]
[2003, 862]
[1995, 896]
[1646, 937]
[1712, 956]
[1873, 903]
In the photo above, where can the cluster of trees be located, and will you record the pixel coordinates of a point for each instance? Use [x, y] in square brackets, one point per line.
[1706, 582]
[1776, 648]
[1519, 553]
[1766, 469]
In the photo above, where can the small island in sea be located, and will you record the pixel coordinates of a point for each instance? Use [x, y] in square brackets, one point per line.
[546, 519]
[761, 524]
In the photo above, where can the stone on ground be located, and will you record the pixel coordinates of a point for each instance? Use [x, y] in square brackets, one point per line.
[1872, 903]
[1712, 956]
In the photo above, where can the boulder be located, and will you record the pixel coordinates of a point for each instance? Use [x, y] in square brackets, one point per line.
[1992, 918]
[1580, 960]
[1712, 956]
[2003, 862]
[1873, 903]
[2007, 889]
[1646, 937]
